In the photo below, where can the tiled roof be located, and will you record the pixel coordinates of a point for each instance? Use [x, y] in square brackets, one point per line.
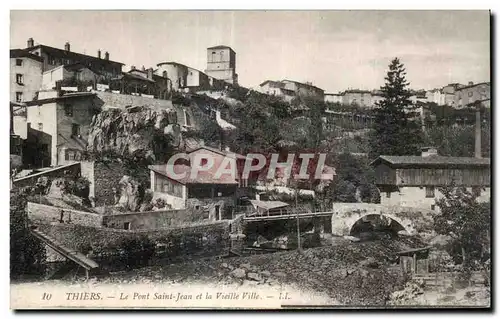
[133, 76]
[59, 98]
[202, 177]
[268, 204]
[358, 91]
[472, 85]
[220, 47]
[432, 161]
[71, 54]
[303, 84]
[20, 53]
[221, 152]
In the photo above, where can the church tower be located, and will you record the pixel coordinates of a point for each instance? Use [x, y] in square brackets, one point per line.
[221, 64]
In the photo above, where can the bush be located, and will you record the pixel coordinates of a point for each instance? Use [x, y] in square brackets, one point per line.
[27, 253]
[137, 251]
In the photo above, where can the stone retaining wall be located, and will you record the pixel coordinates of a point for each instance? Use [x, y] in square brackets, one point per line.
[39, 213]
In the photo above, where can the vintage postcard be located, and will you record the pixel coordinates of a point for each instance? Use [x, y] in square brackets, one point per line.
[250, 159]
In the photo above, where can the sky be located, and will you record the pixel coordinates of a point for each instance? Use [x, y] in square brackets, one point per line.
[335, 50]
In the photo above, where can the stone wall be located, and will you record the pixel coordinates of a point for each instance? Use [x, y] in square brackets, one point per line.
[114, 100]
[208, 239]
[103, 178]
[153, 219]
[210, 204]
[38, 213]
[72, 170]
[345, 215]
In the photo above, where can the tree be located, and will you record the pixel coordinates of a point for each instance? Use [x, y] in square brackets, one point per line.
[27, 253]
[354, 175]
[395, 132]
[467, 223]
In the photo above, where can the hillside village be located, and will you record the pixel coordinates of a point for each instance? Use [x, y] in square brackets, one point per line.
[90, 144]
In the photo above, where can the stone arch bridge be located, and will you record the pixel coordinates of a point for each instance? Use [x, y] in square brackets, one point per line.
[345, 215]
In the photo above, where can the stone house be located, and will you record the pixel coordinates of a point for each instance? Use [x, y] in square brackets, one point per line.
[362, 98]
[54, 57]
[207, 191]
[25, 75]
[76, 76]
[288, 89]
[58, 128]
[415, 180]
[467, 96]
[333, 97]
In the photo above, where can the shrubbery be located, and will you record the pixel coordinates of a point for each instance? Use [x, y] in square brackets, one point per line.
[27, 254]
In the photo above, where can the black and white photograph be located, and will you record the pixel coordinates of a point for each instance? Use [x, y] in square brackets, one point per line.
[250, 159]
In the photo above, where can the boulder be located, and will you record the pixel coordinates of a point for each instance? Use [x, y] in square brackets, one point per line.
[238, 273]
[254, 276]
[246, 266]
[129, 193]
[370, 262]
[279, 274]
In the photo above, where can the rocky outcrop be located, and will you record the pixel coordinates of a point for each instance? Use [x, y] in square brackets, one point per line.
[130, 194]
[133, 131]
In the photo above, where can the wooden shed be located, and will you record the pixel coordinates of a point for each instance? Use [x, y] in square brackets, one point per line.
[414, 261]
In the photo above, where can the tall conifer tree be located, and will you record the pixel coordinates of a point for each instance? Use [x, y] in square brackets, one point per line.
[397, 129]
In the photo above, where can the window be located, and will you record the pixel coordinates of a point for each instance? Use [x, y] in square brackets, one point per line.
[126, 225]
[429, 192]
[470, 93]
[52, 61]
[69, 155]
[433, 207]
[68, 110]
[19, 62]
[204, 161]
[19, 96]
[19, 78]
[197, 207]
[164, 185]
[75, 129]
[40, 126]
[388, 194]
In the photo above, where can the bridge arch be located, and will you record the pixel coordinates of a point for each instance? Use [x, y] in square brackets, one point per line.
[345, 215]
[399, 224]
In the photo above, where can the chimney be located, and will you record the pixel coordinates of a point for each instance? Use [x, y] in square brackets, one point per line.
[106, 55]
[150, 73]
[66, 46]
[31, 43]
[143, 68]
[99, 54]
[477, 148]
[471, 83]
[132, 67]
[429, 151]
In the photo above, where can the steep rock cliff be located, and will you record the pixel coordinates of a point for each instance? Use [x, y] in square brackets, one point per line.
[138, 131]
